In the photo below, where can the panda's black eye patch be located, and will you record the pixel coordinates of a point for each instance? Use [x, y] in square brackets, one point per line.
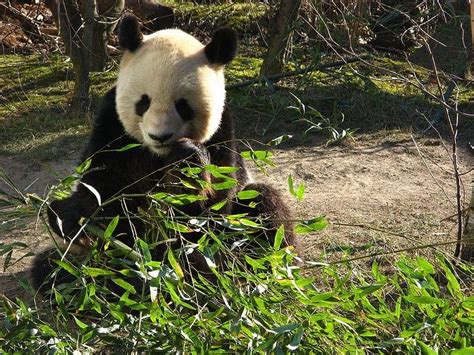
[142, 105]
[184, 110]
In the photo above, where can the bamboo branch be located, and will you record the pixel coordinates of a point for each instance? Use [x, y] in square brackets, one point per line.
[467, 252]
[472, 23]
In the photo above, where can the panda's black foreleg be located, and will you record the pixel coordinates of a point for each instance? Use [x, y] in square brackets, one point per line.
[42, 268]
[64, 216]
[269, 205]
[64, 219]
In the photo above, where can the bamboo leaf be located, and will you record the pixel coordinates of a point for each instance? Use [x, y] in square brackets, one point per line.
[174, 264]
[279, 140]
[68, 267]
[279, 236]
[218, 206]
[424, 300]
[311, 225]
[247, 194]
[94, 271]
[125, 285]
[128, 147]
[80, 324]
[111, 227]
[94, 192]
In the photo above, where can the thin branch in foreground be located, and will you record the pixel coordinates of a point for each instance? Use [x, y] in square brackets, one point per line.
[392, 252]
[454, 146]
[309, 69]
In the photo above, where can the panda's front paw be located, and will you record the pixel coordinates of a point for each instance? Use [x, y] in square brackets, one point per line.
[64, 220]
[184, 156]
[186, 150]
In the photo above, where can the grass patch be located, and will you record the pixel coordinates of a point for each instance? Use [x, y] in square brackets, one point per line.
[241, 16]
[34, 117]
[383, 96]
[35, 120]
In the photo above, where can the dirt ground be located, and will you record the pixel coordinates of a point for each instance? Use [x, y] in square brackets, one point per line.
[396, 184]
[381, 194]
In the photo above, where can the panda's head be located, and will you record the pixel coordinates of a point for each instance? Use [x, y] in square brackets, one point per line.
[170, 85]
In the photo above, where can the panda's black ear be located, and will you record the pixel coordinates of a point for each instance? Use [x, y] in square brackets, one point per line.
[223, 46]
[129, 35]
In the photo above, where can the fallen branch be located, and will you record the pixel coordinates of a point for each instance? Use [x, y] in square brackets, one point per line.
[309, 69]
[27, 24]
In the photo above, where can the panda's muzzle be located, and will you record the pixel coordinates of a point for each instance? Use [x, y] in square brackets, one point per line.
[162, 138]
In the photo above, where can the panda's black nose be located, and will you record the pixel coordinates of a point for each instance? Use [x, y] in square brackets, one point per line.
[161, 138]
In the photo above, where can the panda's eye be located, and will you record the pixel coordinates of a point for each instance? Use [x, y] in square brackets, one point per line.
[184, 110]
[142, 105]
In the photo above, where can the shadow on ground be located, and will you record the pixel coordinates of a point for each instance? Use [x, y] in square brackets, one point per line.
[366, 109]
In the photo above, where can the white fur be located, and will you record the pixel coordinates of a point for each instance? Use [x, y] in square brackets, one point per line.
[169, 65]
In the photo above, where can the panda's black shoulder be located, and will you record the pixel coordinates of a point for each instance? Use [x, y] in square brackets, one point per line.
[222, 146]
[107, 117]
[107, 130]
[225, 132]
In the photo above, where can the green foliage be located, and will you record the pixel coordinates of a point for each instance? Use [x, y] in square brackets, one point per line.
[34, 105]
[262, 298]
[316, 121]
[241, 16]
[15, 207]
[243, 67]
[298, 192]
[263, 304]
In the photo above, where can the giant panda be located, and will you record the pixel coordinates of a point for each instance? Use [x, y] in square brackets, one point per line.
[169, 98]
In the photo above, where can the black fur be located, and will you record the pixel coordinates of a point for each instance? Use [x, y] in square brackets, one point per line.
[184, 110]
[129, 35]
[142, 105]
[41, 269]
[223, 46]
[137, 171]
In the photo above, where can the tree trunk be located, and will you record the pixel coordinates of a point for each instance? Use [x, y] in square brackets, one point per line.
[77, 36]
[280, 37]
[104, 23]
[99, 55]
[106, 15]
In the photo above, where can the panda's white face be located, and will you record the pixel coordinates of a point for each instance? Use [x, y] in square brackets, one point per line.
[167, 89]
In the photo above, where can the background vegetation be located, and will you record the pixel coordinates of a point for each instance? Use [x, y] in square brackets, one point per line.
[346, 70]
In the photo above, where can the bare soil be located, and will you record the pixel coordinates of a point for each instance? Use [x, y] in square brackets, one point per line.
[30, 176]
[381, 193]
